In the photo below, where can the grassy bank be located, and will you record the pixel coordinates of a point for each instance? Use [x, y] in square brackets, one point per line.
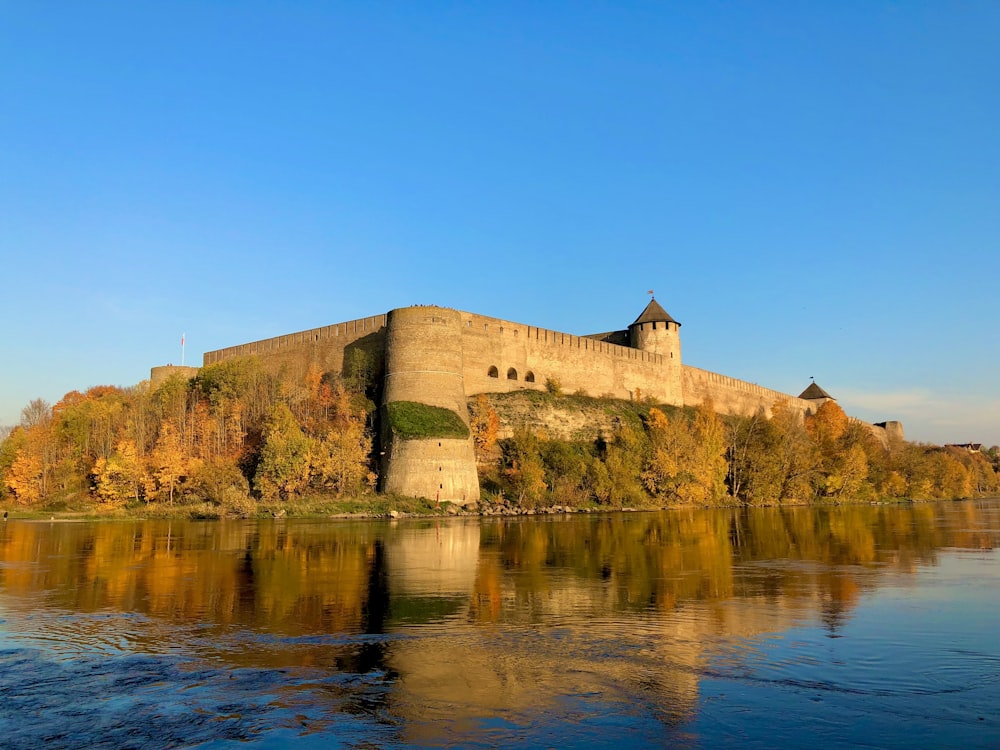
[370, 506]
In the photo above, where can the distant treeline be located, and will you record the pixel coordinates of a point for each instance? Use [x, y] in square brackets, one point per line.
[238, 434]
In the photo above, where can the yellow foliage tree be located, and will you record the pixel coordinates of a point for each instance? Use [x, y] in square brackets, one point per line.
[827, 426]
[119, 477]
[484, 424]
[340, 457]
[24, 478]
[168, 461]
[30, 449]
[687, 462]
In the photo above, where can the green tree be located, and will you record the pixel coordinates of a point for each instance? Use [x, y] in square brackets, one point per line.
[624, 458]
[523, 467]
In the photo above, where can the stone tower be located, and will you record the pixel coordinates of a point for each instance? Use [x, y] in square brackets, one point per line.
[423, 365]
[816, 396]
[656, 332]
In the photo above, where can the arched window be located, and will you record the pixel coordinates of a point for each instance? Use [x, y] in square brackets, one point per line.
[511, 374]
[493, 372]
[530, 377]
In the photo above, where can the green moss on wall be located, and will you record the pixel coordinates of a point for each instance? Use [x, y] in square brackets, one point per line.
[413, 421]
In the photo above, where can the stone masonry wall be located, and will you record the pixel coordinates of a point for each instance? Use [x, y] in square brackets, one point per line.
[323, 347]
[732, 396]
[160, 375]
[521, 353]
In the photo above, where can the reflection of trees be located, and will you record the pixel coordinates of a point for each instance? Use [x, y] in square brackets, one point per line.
[637, 598]
[293, 580]
[302, 578]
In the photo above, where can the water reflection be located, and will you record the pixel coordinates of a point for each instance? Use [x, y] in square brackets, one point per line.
[431, 632]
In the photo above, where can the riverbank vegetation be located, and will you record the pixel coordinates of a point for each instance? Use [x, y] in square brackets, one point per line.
[656, 456]
[239, 439]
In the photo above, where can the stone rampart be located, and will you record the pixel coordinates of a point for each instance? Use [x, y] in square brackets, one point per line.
[502, 356]
[732, 396]
[321, 347]
[160, 375]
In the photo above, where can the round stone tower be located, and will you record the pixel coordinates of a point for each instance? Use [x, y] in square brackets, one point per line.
[654, 331]
[160, 375]
[423, 366]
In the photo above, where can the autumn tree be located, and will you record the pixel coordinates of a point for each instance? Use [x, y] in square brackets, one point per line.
[522, 467]
[31, 454]
[21, 467]
[359, 370]
[10, 445]
[168, 461]
[283, 469]
[566, 466]
[484, 423]
[664, 473]
[687, 461]
[119, 477]
[624, 457]
[771, 460]
[340, 456]
[842, 468]
[37, 412]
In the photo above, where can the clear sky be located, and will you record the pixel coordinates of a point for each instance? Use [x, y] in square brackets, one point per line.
[811, 188]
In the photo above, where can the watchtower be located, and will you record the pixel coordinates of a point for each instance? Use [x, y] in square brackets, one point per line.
[656, 332]
[816, 396]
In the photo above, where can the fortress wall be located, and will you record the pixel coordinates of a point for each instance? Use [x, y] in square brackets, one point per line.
[732, 396]
[323, 347]
[160, 375]
[577, 362]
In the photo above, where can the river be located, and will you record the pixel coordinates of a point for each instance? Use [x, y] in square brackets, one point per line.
[871, 626]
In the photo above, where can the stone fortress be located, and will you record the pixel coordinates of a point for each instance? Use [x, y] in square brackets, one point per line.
[442, 357]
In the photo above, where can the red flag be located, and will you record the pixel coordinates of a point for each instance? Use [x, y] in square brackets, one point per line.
[182, 339]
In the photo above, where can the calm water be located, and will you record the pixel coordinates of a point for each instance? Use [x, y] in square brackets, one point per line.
[835, 627]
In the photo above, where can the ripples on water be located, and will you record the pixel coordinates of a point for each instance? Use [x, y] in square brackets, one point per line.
[653, 630]
[83, 685]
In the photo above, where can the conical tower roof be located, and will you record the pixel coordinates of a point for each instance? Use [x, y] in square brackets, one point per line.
[814, 392]
[654, 314]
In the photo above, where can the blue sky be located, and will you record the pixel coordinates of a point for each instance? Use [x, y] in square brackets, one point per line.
[812, 189]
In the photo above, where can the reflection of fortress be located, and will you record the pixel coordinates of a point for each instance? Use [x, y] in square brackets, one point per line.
[440, 357]
[481, 619]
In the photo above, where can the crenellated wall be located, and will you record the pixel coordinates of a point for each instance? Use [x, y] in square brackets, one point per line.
[578, 363]
[736, 397]
[320, 347]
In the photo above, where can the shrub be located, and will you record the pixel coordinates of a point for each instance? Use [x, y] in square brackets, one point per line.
[410, 420]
